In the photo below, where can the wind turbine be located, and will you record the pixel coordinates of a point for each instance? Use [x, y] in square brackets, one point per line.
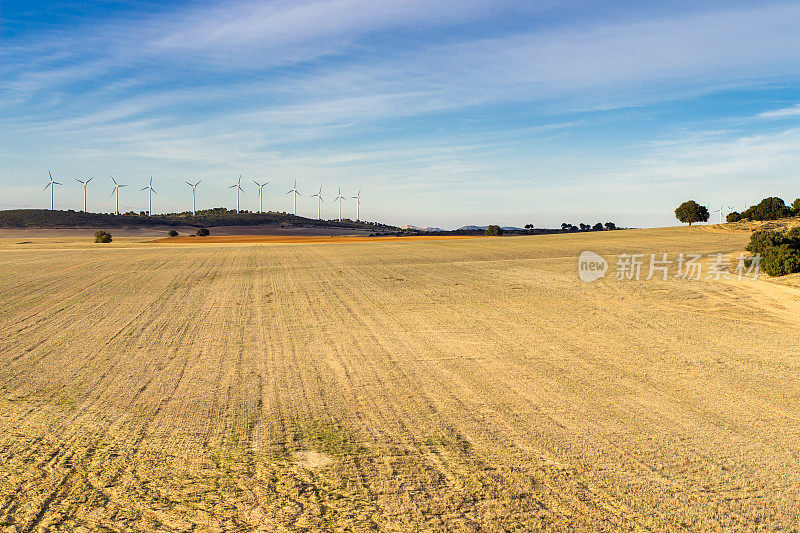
[84, 190]
[720, 215]
[52, 186]
[339, 198]
[318, 196]
[150, 190]
[296, 192]
[357, 198]
[260, 196]
[116, 191]
[238, 187]
[194, 190]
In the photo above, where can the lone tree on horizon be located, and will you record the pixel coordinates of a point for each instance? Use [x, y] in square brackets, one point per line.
[690, 212]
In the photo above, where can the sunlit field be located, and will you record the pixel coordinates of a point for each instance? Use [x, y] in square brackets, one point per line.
[470, 384]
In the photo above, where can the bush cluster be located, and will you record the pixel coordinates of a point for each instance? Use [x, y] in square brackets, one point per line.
[735, 216]
[780, 252]
[203, 232]
[102, 236]
[494, 231]
[771, 208]
[172, 233]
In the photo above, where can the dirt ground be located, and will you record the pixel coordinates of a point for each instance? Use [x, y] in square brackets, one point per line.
[301, 239]
[436, 385]
[157, 232]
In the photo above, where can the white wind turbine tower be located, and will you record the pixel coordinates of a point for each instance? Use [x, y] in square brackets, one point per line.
[296, 192]
[318, 196]
[52, 186]
[116, 191]
[339, 198]
[238, 187]
[720, 216]
[150, 190]
[84, 183]
[260, 196]
[194, 191]
[357, 198]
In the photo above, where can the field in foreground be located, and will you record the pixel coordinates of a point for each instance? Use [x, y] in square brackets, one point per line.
[429, 385]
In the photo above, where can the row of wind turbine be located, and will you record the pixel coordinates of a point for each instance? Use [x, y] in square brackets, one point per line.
[238, 186]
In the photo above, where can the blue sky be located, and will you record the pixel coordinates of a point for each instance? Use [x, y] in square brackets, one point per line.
[442, 113]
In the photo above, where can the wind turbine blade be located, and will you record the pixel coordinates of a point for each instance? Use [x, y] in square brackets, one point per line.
[57, 183]
[50, 174]
[189, 184]
[154, 191]
[46, 186]
[254, 181]
[232, 186]
[112, 179]
[145, 188]
[90, 179]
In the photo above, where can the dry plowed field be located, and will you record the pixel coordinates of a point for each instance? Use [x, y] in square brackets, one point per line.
[464, 385]
[300, 239]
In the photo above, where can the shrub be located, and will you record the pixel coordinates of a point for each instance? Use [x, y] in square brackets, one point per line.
[771, 208]
[761, 241]
[691, 212]
[102, 236]
[735, 216]
[172, 233]
[793, 236]
[494, 231]
[781, 260]
[203, 232]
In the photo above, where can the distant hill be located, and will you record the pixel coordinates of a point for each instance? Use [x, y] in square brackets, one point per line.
[418, 228]
[45, 218]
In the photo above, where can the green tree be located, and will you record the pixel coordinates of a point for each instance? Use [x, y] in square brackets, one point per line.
[733, 216]
[172, 233]
[691, 212]
[771, 208]
[102, 236]
[494, 231]
[203, 232]
[796, 206]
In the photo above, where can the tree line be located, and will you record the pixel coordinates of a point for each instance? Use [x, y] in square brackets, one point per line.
[772, 208]
[219, 216]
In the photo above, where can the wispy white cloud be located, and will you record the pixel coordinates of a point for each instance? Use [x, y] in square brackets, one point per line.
[782, 113]
[351, 90]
